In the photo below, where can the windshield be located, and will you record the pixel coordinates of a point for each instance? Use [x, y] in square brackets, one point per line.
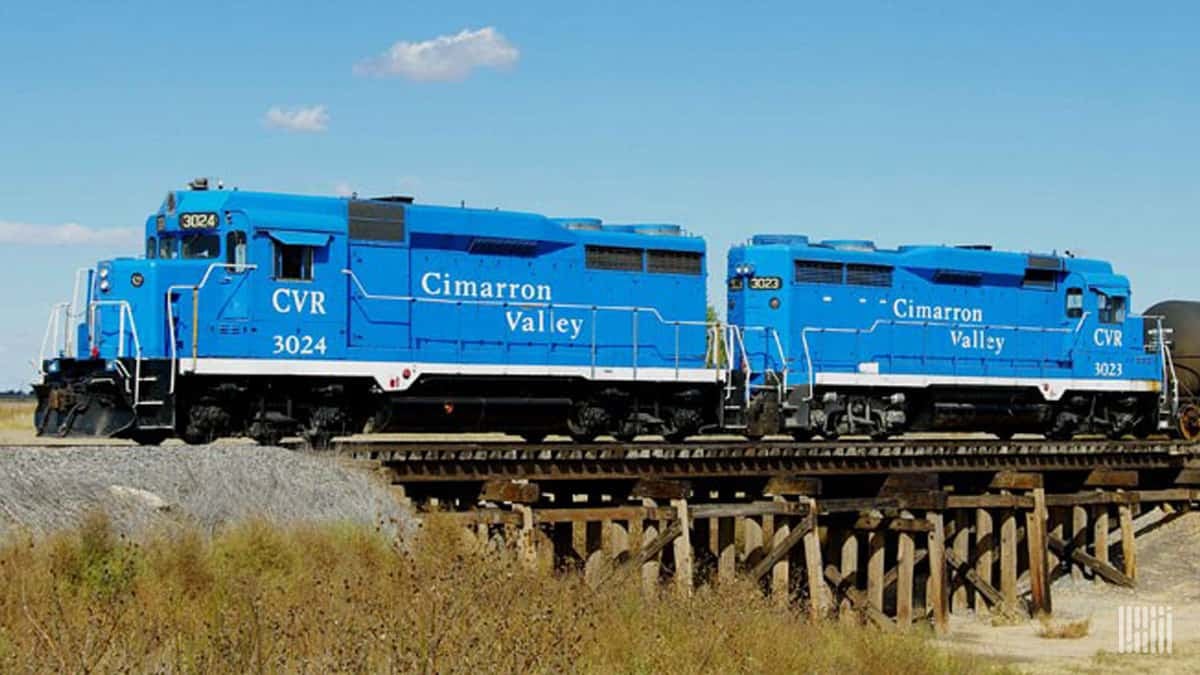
[201, 245]
[168, 247]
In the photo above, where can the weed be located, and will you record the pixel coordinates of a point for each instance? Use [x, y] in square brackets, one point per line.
[1064, 630]
[256, 597]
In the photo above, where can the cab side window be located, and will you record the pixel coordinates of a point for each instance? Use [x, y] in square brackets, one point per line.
[293, 263]
[235, 249]
[151, 248]
[1112, 309]
[1075, 303]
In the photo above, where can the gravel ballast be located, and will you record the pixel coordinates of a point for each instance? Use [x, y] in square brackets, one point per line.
[44, 489]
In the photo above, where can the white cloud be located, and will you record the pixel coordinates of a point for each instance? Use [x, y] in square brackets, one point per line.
[304, 118]
[444, 58]
[67, 234]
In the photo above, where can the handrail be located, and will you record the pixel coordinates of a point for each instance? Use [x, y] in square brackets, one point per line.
[522, 303]
[126, 310]
[1169, 399]
[236, 267]
[69, 345]
[50, 336]
[633, 310]
[783, 362]
[812, 376]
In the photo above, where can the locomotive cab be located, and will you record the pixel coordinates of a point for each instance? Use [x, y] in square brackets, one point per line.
[112, 375]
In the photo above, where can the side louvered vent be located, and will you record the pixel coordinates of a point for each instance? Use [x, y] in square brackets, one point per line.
[869, 275]
[818, 272]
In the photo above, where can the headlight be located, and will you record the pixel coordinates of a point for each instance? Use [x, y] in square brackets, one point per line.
[104, 285]
[103, 272]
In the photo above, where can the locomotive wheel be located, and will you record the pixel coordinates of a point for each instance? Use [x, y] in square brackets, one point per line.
[1189, 422]
[1003, 435]
[149, 437]
[681, 423]
[586, 422]
[802, 435]
[206, 423]
[265, 434]
[317, 440]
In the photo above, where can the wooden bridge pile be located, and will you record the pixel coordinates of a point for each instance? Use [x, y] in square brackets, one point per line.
[890, 542]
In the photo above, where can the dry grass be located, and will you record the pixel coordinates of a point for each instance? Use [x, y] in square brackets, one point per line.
[16, 415]
[258, 598]
[1064, 630]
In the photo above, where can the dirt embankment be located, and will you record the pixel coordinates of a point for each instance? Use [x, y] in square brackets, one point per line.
[43, 489]
[1168, 576]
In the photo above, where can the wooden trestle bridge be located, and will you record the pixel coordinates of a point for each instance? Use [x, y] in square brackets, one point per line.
[896, 532]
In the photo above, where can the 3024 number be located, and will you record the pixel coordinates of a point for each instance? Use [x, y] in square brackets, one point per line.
[298, 345]
[1108, 369]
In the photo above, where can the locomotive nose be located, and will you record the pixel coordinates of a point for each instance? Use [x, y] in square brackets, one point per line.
[124, 288]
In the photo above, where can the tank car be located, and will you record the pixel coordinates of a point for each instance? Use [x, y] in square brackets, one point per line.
[843, 338]
[265, 314]
[1176, 323]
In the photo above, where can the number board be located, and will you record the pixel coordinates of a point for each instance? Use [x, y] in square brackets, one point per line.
[736, 284]
[766, 283]
[197, 221]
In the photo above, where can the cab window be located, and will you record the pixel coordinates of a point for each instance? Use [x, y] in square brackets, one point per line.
[168, 248]
[293, 263]
[1112, 309]
[151, 248]
[235, 248]
[201, 245]
[1074, 303]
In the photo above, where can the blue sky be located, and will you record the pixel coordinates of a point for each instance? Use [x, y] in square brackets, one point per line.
[1027, 126]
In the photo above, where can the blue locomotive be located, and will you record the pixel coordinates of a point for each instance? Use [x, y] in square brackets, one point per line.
[263, 314]
[268, 314]
[868, 341]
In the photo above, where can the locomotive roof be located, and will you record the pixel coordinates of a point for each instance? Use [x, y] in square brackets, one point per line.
[979, 259]
[268, 210]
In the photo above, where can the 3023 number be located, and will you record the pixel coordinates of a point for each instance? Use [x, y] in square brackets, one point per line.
[1108, 369]
[298, 345]
[766, 283]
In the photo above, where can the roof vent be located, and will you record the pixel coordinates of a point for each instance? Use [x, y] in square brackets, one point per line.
[399, 199]
[789, 239]
[975, 247]
[850, 244]
[658, 230]
[585, 224]
[198, 184]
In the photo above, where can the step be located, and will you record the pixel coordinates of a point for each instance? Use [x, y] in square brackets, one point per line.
[149, 403]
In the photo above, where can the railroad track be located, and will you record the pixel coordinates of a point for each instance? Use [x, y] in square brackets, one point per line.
[442, 461]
